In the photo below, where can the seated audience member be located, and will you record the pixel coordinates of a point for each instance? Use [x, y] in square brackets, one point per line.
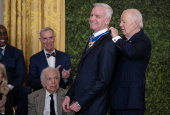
[13, 60]
[48, 100]
[49, 57]
[5, 95]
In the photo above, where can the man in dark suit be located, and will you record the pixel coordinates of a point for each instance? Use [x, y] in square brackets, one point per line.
[41, 102]
[127, 94]
[90, 88]
[49, 57]
[13, 60]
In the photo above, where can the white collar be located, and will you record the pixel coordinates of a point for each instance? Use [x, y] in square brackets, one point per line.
[48, 52]
[47, 93]
[100, 32]
[3, 47]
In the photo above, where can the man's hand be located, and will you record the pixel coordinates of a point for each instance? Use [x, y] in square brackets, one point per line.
[66, 104]
[114, 32]
[65, 73]
[75, 107]
[58, 67]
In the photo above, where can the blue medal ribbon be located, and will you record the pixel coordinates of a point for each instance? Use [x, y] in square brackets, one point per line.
[97, 37]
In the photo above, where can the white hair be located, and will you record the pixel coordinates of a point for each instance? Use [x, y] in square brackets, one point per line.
[136, 16]
[46, 29]
[47, 69]
[109, 10]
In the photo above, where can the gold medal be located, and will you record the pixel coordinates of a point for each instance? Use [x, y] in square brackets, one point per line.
[91, 44]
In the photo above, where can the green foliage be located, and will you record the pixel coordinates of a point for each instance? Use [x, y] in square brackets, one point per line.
[156, 25]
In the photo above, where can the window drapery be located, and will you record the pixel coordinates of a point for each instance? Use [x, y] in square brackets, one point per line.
[25, 18]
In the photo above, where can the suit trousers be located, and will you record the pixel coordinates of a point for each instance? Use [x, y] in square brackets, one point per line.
[127, 112]
[20, 98]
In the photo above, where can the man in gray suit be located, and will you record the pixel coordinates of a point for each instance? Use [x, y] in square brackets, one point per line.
[48, 100]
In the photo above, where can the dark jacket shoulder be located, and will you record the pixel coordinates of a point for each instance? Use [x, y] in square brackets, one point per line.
[12, 48]
[58, 53]
[39, 92]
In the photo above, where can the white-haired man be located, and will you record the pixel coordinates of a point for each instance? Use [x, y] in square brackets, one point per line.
[127, 94]
[90, 88]
[48, 100]
[49, 57]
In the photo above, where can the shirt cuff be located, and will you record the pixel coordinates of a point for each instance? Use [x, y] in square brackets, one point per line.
[10, 86]
[78, 104]
[116, 38]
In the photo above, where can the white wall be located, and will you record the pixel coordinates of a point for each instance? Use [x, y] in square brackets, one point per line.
[1, 11]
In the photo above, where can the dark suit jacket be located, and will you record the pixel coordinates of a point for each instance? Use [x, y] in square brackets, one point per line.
[15, 66]
[38, 62]
[128, 84]
[93, 76]
[9, 104]
[36, 102]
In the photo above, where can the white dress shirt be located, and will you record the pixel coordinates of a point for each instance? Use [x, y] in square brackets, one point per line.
[47, 103]
[118, 37]
[51, 59]
[100, 32]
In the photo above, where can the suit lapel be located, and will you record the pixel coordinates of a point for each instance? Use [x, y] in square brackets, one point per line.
[43, 59]
[90, 49]
[41, 102]
[7, 55]
[56, 61]
[60, 98]
[84, 50]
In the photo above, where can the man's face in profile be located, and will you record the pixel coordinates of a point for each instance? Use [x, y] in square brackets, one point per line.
[98, 19]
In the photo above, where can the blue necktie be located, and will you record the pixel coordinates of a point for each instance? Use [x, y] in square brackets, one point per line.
[1, 55]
